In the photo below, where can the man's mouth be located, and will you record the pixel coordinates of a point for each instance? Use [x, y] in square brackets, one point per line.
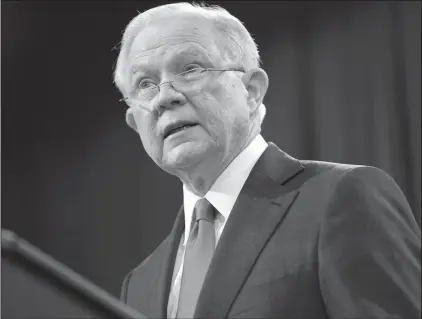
[178, 128]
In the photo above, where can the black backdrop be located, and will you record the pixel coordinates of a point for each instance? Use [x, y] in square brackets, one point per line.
[345, 83]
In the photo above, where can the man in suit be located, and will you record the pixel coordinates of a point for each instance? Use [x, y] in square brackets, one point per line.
[260, 234]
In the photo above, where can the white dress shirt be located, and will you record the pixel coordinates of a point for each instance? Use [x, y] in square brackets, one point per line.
[222, 195]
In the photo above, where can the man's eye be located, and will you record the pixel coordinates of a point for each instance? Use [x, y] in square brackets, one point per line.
[192, 70]
[145, 84]
[192, 67]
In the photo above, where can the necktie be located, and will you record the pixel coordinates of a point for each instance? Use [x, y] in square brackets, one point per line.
[199, 251]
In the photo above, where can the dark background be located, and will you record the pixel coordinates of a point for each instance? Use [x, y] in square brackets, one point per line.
[345, 82]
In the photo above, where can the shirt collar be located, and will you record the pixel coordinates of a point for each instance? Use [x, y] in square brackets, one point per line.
[225, 190]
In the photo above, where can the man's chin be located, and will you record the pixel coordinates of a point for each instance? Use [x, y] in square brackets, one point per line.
[183, 156]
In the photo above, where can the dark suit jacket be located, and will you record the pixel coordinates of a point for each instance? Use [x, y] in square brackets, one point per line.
[305, 239]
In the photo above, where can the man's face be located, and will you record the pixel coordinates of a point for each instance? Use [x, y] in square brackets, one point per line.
[219, 108]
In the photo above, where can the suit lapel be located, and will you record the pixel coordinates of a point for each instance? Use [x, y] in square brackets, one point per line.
[259, 209]
[159, 302]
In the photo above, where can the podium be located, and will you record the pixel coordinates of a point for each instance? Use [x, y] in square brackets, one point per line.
[34, 285]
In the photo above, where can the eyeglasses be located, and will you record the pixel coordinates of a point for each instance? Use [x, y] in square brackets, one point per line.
[187, 81]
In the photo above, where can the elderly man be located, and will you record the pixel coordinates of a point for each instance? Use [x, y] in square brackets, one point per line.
[259, 234]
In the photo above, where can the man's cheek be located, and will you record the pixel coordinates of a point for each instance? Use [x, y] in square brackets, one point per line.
[147, 135]
[215, 87]
[137, 117]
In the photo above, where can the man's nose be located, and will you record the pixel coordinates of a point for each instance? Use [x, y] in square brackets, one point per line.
[168, 97]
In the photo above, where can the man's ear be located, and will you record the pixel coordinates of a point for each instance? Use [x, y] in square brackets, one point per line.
[256, 83]
[130, 120]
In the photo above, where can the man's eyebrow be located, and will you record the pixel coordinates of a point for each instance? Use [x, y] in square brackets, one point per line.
[139, 67]
[192, 52]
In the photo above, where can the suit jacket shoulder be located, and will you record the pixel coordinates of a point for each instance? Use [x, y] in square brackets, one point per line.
[305, 239]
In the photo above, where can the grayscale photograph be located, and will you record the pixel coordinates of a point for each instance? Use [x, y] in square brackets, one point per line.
[211, 159]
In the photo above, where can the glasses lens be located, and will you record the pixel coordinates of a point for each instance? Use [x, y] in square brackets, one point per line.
[145, 95]
[191, 81]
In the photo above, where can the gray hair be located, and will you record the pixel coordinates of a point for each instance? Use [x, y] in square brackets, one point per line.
[238, 48]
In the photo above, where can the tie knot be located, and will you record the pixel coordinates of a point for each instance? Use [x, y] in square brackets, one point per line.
[204, 210]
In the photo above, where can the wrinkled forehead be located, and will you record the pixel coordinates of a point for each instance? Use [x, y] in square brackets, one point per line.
[162, 38]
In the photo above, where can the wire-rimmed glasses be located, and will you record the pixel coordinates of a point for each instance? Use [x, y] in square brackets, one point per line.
[185, 82]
